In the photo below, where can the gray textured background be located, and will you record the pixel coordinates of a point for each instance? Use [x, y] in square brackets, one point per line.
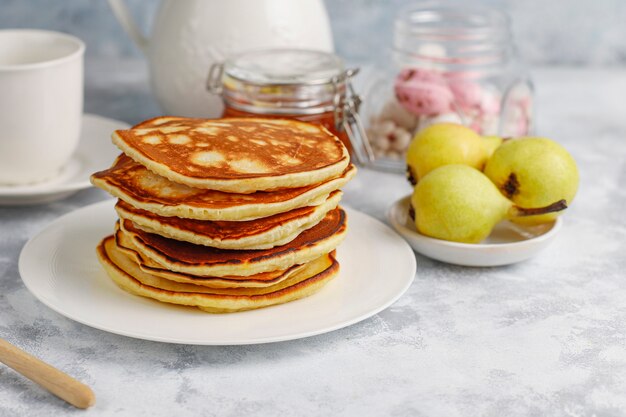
[541, 338]
[549, 32]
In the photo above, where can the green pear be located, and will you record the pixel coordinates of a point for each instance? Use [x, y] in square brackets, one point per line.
[458, 203]
[491, 143]
[533, 172]
[443, 144]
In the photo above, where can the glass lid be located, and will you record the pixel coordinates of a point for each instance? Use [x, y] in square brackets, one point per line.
[284, 67]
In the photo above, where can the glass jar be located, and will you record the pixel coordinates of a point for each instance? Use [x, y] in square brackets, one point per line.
[307, 85]
[449, 64]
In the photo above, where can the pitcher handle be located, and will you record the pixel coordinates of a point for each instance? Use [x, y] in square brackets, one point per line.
[121, 12]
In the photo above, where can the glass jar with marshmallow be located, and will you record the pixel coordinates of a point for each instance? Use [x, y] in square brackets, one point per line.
[453, 64]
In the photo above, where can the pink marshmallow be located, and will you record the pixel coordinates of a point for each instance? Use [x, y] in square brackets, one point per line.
[423, 92]
[490, 103]
[467, 94]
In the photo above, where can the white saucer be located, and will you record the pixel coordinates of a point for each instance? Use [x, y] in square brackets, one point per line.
[60, 268]
[94, 153]
[508, 243]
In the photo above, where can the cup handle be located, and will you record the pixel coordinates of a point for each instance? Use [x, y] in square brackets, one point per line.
[121, 12]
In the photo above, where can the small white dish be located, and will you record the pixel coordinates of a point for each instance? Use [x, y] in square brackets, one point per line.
[508, 243]
[60, 268]
[94, 153]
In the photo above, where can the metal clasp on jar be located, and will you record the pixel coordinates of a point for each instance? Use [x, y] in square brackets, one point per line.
[214, 78]
[346, 111]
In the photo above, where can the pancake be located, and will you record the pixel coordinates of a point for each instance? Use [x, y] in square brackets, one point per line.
[263, 233]
[139, 187]
[125, 273]
[264, 279]
[238, 155]
[200, 260]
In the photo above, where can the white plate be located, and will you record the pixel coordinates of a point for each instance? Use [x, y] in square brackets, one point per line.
[60, 268]
[94, 153]
[508, 243]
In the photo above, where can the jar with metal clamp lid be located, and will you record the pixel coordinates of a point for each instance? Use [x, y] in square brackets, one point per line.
[448, 63]
[306, 85]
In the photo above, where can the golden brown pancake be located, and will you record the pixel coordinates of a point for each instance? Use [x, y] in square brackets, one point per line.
[141, 188]
[264, 279]
[126, 274]
[263, 233]
[240, 155]
[200, 260]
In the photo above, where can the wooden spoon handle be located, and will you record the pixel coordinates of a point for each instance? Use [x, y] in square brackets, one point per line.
[55, 381]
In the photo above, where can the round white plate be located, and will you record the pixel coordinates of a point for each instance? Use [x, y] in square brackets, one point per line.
[508, 243]
[94, 153]
[60, 268]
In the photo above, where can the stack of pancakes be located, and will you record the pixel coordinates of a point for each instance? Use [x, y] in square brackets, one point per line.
[225, 215]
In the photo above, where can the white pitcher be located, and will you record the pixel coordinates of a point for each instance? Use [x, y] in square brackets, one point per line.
[189, 35]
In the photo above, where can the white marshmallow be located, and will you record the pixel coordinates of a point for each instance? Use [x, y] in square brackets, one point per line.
[440, 118]
[392, 110]
[384, 128]
[381, 142]
[401, 140]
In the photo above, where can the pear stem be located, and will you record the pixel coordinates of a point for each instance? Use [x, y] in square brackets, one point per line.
[522, 212]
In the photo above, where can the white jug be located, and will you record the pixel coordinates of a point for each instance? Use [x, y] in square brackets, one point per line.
[189, 35]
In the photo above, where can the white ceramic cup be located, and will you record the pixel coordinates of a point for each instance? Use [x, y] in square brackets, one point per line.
[41, 103]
